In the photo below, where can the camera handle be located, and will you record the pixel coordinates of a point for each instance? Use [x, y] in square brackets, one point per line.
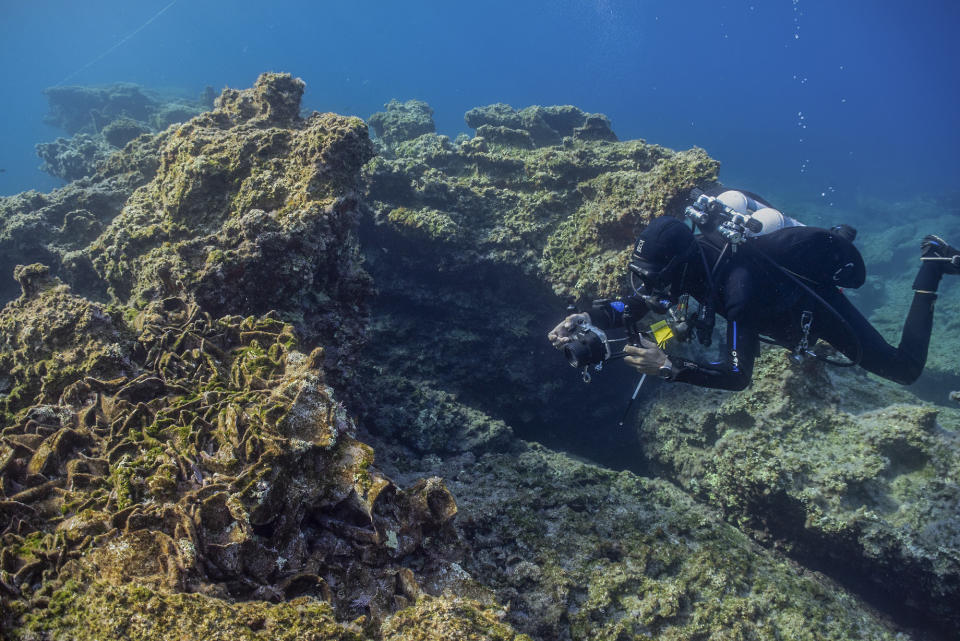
[633, 333]
[626, 412]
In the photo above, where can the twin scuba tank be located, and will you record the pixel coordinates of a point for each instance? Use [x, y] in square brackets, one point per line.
[817, 256]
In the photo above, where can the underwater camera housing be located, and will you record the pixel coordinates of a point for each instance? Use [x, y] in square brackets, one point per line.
[589, 345]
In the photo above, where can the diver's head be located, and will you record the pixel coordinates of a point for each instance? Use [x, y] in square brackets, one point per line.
[660, 254]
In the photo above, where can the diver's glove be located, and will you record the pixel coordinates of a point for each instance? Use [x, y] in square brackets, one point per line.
[935, 250]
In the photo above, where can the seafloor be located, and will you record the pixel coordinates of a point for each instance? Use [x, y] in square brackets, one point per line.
[270, 375]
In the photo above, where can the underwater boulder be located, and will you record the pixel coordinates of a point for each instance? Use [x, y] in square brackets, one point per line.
[403, 121]
[74, 158]
[843, 470]
[213, 458]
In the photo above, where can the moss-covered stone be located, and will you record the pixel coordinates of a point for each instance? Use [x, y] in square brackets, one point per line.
[450, 619]
[104, 611]
[581, 552]
[810, 460]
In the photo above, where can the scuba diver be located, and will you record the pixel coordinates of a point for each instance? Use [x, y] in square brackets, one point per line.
[772, 278]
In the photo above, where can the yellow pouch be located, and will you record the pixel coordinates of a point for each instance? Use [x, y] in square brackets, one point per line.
[661, 333]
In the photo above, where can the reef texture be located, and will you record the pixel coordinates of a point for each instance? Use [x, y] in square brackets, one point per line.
[248, 208]
[188, 454]
[844, 472]
[101, 120]
[581, 552]
[546, 190]
[73, 158]
[470, 244]
[176, 458]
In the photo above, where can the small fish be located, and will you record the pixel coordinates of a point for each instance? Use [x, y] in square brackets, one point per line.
[3, 171]
[955, 396]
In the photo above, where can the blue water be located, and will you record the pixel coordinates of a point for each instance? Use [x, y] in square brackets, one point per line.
[847, 98]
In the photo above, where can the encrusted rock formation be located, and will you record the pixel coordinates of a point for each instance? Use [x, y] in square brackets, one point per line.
[191, 333]
[471, 243]
[844, 471]
[100, 120]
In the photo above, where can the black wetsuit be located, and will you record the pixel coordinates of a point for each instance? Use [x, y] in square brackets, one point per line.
[758, 299]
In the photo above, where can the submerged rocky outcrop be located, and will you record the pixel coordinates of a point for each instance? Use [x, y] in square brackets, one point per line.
[101, 120]
[840, 470]
[205, 343]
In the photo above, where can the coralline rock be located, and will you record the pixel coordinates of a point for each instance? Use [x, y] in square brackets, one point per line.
[581, 552]
[810, 460]
[73, 158]
[216, 460]
[90, 109]
[515, 195]
[403, 121]
[102, 119]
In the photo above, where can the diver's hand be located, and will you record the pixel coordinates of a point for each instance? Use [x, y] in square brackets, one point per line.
[560, 335]
[646, 358]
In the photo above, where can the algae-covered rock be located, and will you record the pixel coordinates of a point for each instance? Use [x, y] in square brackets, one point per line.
[101, 120]
[450, 619]
[248, 208]
[216, 460]
[50, 338]
[122, 130]
[56, 228]
[818, 461]
[251, 209]
[403, 121]
[548, 190]
[137, 613]
[74, 158]
[581, 552]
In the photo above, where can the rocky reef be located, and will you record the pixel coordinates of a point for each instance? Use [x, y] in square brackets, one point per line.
[840, 470]
[205, 342]
[100, 120]
[478, 245]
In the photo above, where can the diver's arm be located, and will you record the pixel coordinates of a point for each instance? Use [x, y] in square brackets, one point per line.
[734, 372]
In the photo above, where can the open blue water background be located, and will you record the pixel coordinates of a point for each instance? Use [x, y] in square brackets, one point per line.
[798, 98]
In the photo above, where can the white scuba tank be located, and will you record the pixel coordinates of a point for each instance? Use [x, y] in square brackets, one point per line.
[771, 218]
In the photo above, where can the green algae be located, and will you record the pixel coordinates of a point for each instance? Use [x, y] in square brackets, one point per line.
[138, 613]
[451, 619]
[567, 208]
[809, 460]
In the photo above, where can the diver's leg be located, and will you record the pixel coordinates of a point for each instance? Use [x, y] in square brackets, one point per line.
[904, 363]
[901, 364]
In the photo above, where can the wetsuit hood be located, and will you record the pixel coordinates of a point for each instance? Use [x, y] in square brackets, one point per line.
[661, 250]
